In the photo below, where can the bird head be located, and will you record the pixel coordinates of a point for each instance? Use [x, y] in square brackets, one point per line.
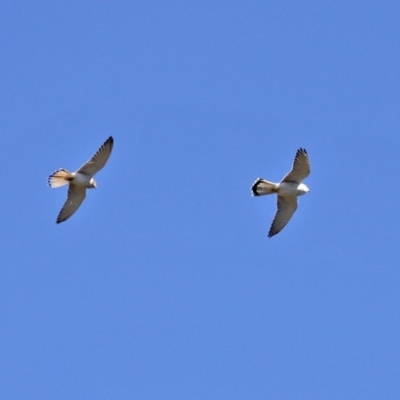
[93, 184]
[302, 189]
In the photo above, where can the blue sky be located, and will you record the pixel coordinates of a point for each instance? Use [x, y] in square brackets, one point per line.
[164, 284]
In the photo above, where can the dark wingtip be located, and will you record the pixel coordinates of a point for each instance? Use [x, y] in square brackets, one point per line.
[302, 150]
[271, 234]
[254, 187]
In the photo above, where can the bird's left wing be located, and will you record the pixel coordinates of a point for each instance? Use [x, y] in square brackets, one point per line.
[287, 205]
[76, 194]
[98, 161]
[301, 167]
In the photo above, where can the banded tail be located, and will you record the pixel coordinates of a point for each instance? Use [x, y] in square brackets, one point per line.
[59, 178]
[262, 187]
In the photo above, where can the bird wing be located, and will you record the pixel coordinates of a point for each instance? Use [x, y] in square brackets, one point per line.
[76, 195]
[97, 162]
[287, 205]
[301, 167]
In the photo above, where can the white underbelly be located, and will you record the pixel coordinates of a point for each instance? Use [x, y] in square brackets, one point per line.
[81, 179]
[288, 188]
[292, 189]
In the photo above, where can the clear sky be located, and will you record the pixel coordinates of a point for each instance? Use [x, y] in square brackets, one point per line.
[164, 284]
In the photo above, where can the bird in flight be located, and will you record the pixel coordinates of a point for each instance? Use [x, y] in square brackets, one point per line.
[80, 180]
[287, 190]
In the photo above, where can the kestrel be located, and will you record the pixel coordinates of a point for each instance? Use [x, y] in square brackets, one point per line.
[80, 180]
[287, 190]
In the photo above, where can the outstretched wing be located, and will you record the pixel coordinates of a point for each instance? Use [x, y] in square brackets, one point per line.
[76, 194]
[98, 161]
[301, 167]
[287, 205]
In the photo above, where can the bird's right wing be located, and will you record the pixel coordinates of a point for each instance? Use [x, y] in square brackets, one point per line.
[287, 205]
[76, 194]
[98, 161]
[301, 167]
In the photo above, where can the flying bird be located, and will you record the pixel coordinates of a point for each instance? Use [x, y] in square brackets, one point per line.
[287, 190]
[80, 180]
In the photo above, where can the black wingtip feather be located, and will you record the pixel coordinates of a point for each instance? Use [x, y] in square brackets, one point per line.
[270, 234]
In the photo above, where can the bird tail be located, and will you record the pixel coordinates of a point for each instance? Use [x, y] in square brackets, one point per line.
[59, 178]
[261, 187]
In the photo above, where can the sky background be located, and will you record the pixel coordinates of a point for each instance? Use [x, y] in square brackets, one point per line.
[164, 284]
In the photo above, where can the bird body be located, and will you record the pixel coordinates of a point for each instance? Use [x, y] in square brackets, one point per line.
[287, 190]
[83, 180]
[80, 180]
[292, 188]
